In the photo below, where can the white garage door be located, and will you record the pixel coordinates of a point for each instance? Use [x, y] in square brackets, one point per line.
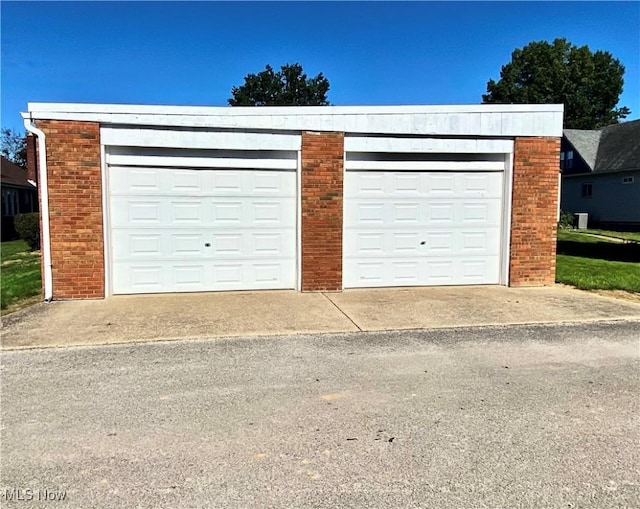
[183, 230]
[422, 228]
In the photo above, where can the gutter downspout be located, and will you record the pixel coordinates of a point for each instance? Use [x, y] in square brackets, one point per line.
[44, 198]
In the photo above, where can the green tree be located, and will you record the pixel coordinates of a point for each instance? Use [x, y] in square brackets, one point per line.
[13, 146]
[588, 84]
[287, 87]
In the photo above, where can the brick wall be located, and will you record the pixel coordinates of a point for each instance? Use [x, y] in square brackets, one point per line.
[32, 158]
[75, 207]
[322, 177]
[534, 212]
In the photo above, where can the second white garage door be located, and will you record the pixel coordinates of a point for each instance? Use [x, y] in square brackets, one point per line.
[422, 228]
[181, 230]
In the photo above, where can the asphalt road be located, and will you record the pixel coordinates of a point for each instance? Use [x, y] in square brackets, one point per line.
[520, 416]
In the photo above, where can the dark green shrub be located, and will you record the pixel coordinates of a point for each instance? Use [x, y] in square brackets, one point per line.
[567, 220]
[28, 227]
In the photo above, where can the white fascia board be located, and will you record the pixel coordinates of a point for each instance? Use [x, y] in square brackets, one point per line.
[359, 165]
[200, 162]
[427, 145]
[454, 120]
[37, 107]
[198, 139]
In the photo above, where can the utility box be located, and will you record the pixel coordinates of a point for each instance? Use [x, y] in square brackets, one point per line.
[582, 218]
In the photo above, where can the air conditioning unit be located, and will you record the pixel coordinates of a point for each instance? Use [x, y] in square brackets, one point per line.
[582, 218]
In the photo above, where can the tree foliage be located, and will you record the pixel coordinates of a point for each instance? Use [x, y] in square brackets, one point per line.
[588, 84]
[13, 146]
[287, 87]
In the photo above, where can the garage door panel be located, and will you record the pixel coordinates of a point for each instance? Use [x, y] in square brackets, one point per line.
[426, 184]
[166, 276]
[436, 212]
[422, 228]
[417, 271]
[400, 243]
[165, 212]
[181, 245]
[134, 180]
[176, 244]
[131, 278]
[139, 212]
[174, 181]
[251, 275]
[202, 230]
[142, 244]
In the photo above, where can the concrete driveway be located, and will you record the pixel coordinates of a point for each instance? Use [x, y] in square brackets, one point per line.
[125, 319]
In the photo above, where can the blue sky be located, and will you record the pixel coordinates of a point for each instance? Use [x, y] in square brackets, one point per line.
[192, 53]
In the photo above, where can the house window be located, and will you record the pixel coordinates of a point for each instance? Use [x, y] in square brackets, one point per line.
[627, 180]
[587, 190]
[562, 160]
[569, 160]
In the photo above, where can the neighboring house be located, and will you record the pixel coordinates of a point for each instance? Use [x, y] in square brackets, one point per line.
[601, 174]
[151, 199]
[19, 196]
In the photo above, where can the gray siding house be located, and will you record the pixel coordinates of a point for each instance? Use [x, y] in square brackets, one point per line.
[601, 174]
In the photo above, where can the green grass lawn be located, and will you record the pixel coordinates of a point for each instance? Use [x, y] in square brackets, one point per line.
[19, 273]
[591, 263]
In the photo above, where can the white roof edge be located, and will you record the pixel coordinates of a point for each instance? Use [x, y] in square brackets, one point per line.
[35, 108]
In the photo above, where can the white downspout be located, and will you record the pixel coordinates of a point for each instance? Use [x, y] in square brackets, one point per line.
[44, 199]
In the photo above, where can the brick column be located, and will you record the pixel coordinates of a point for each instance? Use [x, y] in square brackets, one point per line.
[32, 158]
[75, 207]
[534, 212]
[322, 178]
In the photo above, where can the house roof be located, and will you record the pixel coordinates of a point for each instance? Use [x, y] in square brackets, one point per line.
[13, 174]
[619, 148]
[609, 149]
[585, 143]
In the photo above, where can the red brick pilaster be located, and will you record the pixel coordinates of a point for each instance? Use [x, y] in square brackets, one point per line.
[75, 208]
[534, 212]
[322, 178]
[32, 158]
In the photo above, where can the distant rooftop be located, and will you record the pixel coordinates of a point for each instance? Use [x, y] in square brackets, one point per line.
[13, 174]
[609, 149]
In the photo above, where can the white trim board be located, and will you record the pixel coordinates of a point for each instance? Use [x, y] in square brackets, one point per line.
[201, 162]
[472, 120]
[424, 165]
[426, 145]
[45, 107]
[198, 139]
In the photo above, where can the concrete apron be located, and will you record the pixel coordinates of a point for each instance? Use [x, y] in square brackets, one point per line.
[124, 319]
